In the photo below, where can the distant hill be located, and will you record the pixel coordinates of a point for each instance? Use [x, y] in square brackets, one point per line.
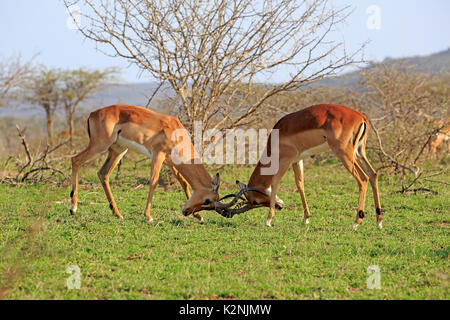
[432, 63]
[138, 93]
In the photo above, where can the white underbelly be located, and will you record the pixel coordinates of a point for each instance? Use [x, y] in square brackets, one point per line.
[313, 151]
[134, 146]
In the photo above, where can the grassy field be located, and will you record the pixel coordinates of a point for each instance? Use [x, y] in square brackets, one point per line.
[239, 258]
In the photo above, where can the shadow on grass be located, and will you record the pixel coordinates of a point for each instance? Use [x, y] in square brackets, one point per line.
[223, 223]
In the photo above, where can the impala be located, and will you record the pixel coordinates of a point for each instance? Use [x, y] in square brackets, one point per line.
[438, 143]
[118, 128]
[301, 135]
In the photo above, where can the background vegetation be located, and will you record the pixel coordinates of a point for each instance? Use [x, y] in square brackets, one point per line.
[211, 59]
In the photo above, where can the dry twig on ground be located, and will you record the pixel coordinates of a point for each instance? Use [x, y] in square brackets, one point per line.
[37, 168]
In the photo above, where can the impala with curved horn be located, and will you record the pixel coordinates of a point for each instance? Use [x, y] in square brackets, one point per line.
[118, 128]
[301, 135]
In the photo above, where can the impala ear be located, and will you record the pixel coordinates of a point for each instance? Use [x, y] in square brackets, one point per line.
[240, 185]
[215, 184]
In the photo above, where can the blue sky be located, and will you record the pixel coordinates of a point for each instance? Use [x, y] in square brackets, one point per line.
[413, 27]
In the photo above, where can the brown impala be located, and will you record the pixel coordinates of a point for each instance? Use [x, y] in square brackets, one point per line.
[120, 127]
[301, 135]
[438, 142]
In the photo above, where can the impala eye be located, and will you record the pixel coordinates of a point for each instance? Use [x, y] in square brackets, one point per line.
[255, 203]
[207, 201]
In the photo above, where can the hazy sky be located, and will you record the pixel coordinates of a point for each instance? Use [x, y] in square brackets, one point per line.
[413, 27]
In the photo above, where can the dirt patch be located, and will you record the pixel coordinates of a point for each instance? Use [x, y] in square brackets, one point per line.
[443, 276]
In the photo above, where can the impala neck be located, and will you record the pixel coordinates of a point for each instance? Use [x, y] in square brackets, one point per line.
[261, 182]
[196, 175]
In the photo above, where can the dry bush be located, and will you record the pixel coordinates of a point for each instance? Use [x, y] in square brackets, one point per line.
[403, 103]
[14, 72]
[38, 166]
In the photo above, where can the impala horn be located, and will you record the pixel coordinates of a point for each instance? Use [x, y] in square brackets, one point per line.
[226, 210]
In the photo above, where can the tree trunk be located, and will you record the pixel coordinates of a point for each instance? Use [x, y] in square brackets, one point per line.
[49, 124]
[70, 116]
[50, 127]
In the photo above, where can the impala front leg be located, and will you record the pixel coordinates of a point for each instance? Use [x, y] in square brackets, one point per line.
[199, 218]
[185, 185]
[273, 201]
[276, 203]
[157, 161]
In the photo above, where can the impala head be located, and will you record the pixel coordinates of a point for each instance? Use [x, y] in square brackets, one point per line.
[203, 199]
[251, 198]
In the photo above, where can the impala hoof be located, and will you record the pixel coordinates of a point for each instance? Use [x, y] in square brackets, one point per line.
[355, 226]
[150, 220]
[279, 205]
[380, 225]
[306, 221]
[268, 223]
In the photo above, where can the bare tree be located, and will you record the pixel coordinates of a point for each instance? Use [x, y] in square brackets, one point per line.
[79, 84]
[13, 75]
[45, 92]
[51, 89]
[213, 53]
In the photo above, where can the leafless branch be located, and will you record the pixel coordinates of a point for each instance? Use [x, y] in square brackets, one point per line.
[154, 94]
[14, 72]
[35, 166]
[416, 172]
[216, 54]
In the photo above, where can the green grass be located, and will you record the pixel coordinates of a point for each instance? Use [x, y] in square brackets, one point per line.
[239, 258]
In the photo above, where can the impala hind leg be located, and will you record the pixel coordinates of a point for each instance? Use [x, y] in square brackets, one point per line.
[373, 179]
[347, 157]
[299, 181]
[362, 179]
[77, 161]
[114, 156]
[157, 161]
